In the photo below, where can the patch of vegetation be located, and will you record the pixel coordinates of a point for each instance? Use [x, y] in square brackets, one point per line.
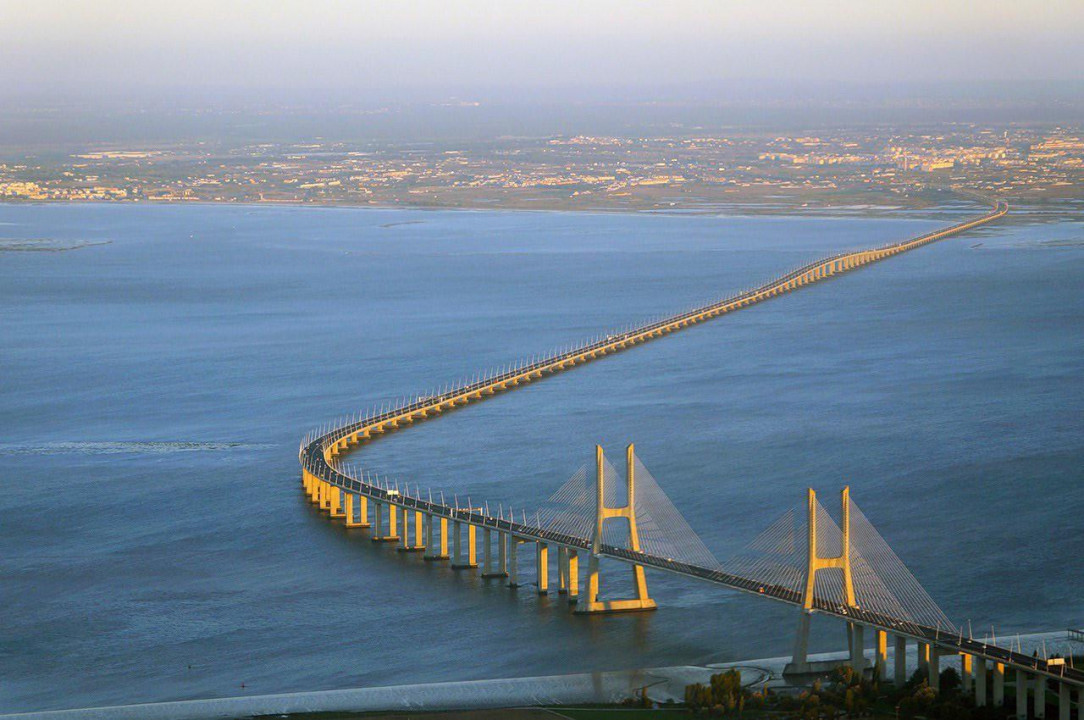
[843, 694]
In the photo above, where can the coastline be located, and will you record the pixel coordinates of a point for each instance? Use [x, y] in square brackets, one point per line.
[715, 211]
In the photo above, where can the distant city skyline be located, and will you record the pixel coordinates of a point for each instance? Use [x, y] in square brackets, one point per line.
[119, 47]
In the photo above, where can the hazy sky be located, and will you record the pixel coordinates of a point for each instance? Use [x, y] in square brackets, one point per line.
[126, 46]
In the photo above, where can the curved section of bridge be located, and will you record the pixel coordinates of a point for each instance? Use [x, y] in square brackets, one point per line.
[331, 486]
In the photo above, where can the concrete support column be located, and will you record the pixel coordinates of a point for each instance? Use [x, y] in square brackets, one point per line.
[487, 553]
[880, 653]
[1038, 708]
[858, 646]
[998, 676]
[419, 530]
[980, 682]
[562, 571]
[1021, 694]
[1064, 701]
[966, 667]
[935, 669]
[472, 546]
[393, 522]
[801, 643]
[404, 532]
[436, 537]
[572, 568]
[442, 538]
[899, 674]
[337, 503]
[382, 533]
[501, 569]
[356, 509]
[378, 520]
[513, 561]
[502, 553]
[464, 549]
[348, 510]
[923, 650]
[542, 567]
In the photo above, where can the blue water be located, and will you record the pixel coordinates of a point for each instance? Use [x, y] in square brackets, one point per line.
[154, 543]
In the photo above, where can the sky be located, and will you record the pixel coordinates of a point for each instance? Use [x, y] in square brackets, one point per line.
[129, 47]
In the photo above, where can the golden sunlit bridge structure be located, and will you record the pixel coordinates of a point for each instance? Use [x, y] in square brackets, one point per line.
[865, 585]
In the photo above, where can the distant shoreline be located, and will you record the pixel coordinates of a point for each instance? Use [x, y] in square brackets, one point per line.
[734, 210]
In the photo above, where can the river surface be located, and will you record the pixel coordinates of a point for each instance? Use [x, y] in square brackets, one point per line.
[156, 380]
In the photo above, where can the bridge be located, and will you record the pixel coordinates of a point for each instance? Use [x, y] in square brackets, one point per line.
[805, 559]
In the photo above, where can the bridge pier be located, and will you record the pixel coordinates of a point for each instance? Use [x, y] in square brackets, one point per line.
[502, 555]
[935, 668]
[1021, 694]
[362, 503]
[799, 661]
[1064, 701]
[856, 635]
[513, 560]
[542, 567]
[379, 533]
[436, 548]
[923, 652]
[459, 561]
[562, 570]
[487, 555]
[572, 569]
[417, 543]
[980, 682]
[880, 655]
[1039, 696]
[899, 673]
[998, 675]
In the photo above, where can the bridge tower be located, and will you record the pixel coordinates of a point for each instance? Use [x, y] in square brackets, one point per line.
[602, 513]
[814, 564]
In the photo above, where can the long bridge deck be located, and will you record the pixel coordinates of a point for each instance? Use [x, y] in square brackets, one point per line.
[320, 455]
